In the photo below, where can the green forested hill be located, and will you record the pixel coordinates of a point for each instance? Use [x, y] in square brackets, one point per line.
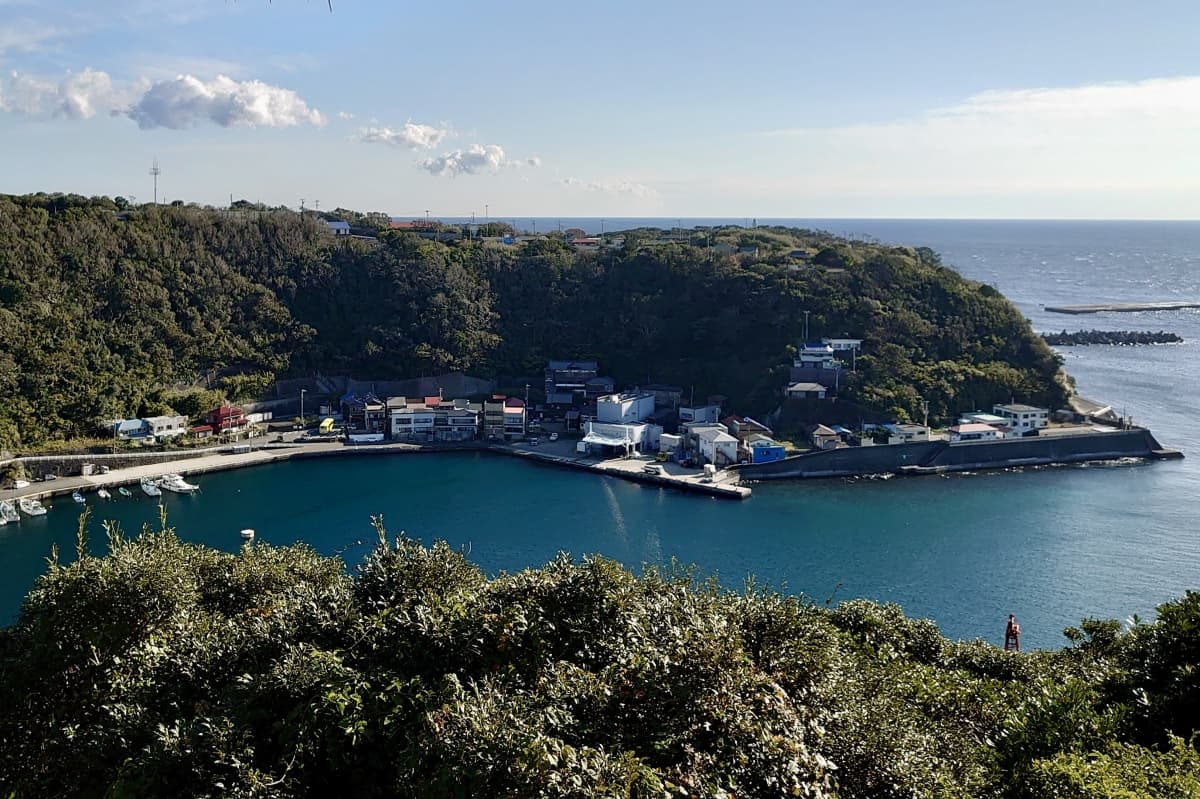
[171, 669]
[103, 307]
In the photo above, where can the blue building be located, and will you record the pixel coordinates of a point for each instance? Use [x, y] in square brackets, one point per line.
[764, 450]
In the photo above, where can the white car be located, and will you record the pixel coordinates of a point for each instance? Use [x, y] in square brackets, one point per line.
[554, 436]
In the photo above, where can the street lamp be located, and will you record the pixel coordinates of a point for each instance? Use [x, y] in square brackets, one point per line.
[303, 391]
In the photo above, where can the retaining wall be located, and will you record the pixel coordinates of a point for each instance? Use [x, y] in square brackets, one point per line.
[935, 456]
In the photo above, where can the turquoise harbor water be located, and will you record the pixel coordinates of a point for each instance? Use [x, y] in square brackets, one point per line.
[1051, 545]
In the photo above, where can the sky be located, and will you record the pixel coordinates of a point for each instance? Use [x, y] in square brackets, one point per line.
[797, 109]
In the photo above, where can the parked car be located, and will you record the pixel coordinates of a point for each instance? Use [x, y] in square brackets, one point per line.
[533, 442]
[554, 436]
[652, 468]
[51, 476]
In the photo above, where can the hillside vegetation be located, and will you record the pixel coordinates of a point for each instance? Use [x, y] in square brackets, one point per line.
[107, 311]
[170, 669]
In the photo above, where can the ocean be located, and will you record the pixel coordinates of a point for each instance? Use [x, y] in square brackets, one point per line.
[1051, 545]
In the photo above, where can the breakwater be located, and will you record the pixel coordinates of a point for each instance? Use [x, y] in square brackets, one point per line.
[1122, 307]
[932, 457]
[1127, 338]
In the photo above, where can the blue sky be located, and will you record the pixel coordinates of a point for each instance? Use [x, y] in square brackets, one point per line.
[771, 109]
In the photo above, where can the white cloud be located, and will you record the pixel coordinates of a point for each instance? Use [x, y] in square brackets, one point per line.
[1112, 135]
[344, 115]
[627, 188]
[412, 136]
[187, 101]
[471, 161]
[178, 103]
[80, 95]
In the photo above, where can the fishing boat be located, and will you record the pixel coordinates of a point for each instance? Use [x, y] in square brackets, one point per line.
[125, 492]
[247, 535]
[103, 494]
[31, 507]
[176, 483]
[8, 512]
[75, 495]
[150, 488]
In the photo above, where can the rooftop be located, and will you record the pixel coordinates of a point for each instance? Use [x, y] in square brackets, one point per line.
[1017, 407]
[973, 427]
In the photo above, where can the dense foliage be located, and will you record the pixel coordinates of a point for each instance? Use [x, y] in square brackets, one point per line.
[108, 311]
[170, 669]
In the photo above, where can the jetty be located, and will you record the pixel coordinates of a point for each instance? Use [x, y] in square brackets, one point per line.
[1122, 307]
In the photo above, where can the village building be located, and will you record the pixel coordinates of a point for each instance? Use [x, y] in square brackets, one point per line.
[716, 446]
[1023, 420]
[805, 390]
[762, 449]
[627, 407]
[824, 437]
[975, 431]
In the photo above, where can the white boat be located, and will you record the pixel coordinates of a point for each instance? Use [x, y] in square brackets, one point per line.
[150, 488]
[75, 495]
[103, 494]
[31, 506]
[8, 512]
[176, 483]
[247, 534]
[125, 492]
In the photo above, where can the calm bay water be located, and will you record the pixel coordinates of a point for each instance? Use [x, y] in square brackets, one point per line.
[1051, 545]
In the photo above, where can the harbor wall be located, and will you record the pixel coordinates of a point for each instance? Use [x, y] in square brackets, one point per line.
[940, 456]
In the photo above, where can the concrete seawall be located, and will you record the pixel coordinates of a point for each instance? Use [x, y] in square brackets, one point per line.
[940, 456]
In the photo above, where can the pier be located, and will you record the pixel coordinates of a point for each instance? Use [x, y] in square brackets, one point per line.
[1122, 307]
[559, 453]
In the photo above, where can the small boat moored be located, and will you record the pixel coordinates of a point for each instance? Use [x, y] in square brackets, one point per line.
[32, 507]
[247, 534]
[103, 494]
[75, 495]
[125, 492]
[150, 488]
[8, 512]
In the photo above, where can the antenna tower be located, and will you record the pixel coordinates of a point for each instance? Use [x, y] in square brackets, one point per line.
[154, 173]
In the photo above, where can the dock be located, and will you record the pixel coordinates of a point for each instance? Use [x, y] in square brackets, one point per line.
[552, 453]
[1122, 307]
[725, 485]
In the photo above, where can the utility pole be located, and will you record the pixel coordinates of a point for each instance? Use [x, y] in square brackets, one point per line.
[154, 173]
[806, 327]
[925, 411]
[301, 206]
[303, 391]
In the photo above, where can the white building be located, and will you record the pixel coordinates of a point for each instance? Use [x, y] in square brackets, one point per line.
[625, 408]
[815, 356]
[976, 431]
[630, 437]
[716, 446]
[843, 344]
[907, 433]
[699, 413]
[166, 426]
[1023, 419]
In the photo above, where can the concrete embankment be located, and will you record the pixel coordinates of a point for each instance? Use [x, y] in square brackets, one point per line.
[672, 476]
[933, 457]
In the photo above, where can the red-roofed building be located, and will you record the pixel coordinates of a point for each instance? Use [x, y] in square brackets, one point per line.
[201, 431]
[227, 419]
